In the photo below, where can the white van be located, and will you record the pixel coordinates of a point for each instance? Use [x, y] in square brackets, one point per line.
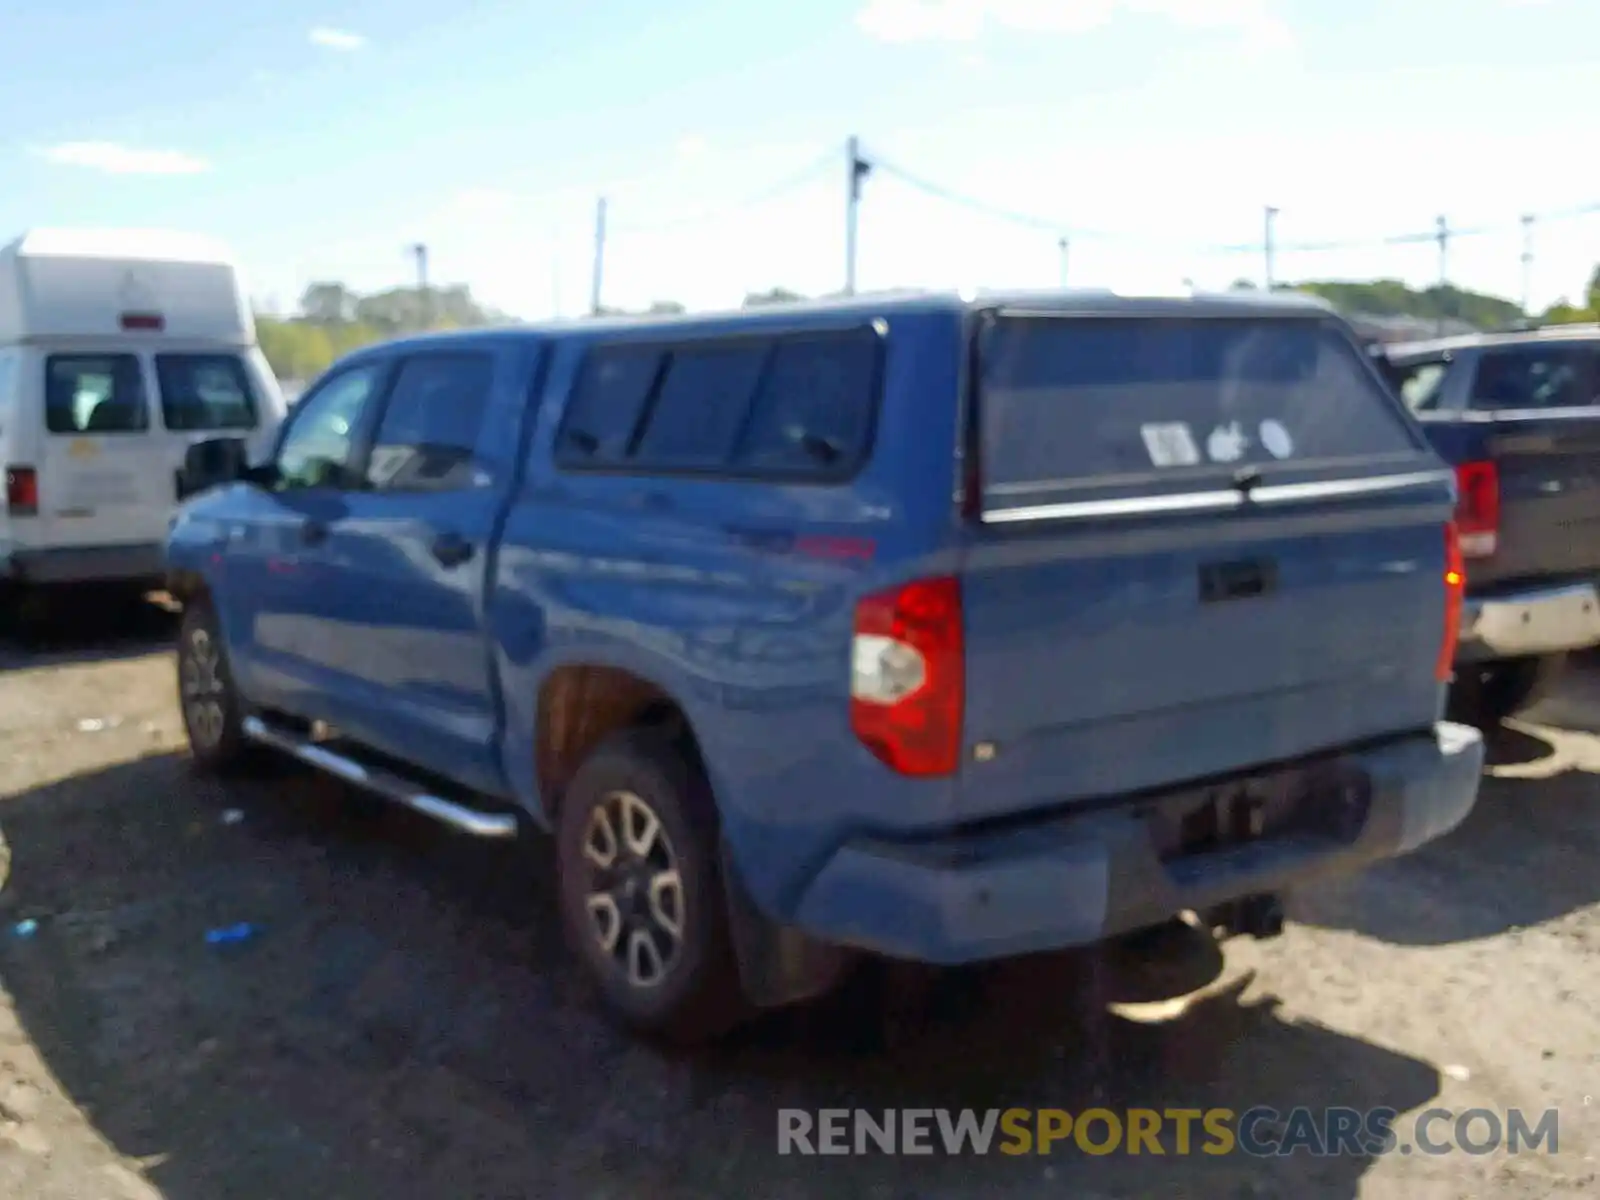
[117, 350]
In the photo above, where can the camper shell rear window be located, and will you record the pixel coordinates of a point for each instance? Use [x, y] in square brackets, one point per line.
[1064, 401]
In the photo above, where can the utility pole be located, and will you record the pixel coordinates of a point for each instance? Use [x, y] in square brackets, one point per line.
[1065, 246]
[1527, 266]
[599, 256]
[859, 169]
[420, 253]
[1444, 267]
[1267, 243]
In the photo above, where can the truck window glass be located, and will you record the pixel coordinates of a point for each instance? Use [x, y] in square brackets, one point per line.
[205, 392]
[95, 393]
[1556, 376]
[700, 405]
[1419, 382]
[817, 402]
[429, 430]
[606, 403]
[1068, 399]
[320, 439]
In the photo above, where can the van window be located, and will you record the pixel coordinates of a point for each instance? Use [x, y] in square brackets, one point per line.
[798, 405]
[1068, 399]
[204, 392]
[94, 393]
[429, 430]
[8, 370]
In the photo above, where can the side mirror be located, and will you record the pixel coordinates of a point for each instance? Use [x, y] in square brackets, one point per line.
[211, 463]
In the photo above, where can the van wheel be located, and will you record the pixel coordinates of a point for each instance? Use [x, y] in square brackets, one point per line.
[1484, 694]
[641, 890]
[22, 612]
[213, 713]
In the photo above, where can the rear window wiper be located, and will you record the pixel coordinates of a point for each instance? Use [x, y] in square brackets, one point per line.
[1246, 480]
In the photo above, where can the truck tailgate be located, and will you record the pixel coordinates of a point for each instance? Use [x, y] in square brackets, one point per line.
[1268, 585]
[1549, 471]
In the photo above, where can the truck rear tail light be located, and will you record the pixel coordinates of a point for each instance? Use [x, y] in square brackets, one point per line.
[1455, 587]
[907, 676]
[22, 492]
[1478, 508]
[143, 321]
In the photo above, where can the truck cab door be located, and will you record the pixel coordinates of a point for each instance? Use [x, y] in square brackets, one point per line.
[408, 560]
[284, 601]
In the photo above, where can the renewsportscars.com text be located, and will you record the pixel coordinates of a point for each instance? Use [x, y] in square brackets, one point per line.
[1259, 1131]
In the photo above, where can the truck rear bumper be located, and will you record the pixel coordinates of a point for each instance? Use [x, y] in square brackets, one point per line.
[1530, 622]
[1079, 878]
[83, 564]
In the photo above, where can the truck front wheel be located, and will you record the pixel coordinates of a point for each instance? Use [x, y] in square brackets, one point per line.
[1484, 694]
[641, 891]
[213, 713]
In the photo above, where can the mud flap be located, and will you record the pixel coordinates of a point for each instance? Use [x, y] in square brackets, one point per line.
[778, 964]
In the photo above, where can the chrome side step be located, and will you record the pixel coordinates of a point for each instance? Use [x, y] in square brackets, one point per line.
[384, 783]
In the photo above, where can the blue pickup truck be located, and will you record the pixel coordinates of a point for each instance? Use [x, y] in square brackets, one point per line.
[930, 627]
[1517, 415]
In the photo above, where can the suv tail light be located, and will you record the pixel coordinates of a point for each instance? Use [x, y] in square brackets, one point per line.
[1455, 586]
[22, 492]
[1478, 508]
[907, 676]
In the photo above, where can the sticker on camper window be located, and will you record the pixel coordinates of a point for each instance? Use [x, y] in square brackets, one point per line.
[1170, 444]
[1227, 443]
[1275, 437]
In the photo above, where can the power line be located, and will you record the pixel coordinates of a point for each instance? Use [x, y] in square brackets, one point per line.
[1054, 225]
[766, 195]
[978, 206]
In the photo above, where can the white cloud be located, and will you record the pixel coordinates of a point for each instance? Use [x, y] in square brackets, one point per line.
[1256, 21]
[693, 146]
[124, 160]
[336, 39]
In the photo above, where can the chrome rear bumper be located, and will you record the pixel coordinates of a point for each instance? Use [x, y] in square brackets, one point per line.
[1532, 622]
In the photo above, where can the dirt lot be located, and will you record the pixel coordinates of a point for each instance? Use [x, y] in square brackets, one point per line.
[405, 1022]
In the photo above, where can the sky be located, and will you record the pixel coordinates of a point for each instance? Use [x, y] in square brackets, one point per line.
[323, 138]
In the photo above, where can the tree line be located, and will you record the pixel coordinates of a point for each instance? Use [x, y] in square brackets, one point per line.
[333, 320]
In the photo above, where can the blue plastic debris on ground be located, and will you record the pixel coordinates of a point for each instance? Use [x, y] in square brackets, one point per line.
[230, 935]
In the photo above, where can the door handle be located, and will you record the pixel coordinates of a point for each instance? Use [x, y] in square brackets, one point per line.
[313, 533]
[451, 549]
[1237, 580]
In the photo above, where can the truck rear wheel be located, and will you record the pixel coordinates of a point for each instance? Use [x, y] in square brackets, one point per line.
[1484, 694]
[641, 888]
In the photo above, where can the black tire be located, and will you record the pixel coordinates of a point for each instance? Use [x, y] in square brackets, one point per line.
[1484, 694]
[696, 996]
[213, 711]
[23, 609]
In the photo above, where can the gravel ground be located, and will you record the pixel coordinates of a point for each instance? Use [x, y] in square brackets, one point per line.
[405, 1022]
